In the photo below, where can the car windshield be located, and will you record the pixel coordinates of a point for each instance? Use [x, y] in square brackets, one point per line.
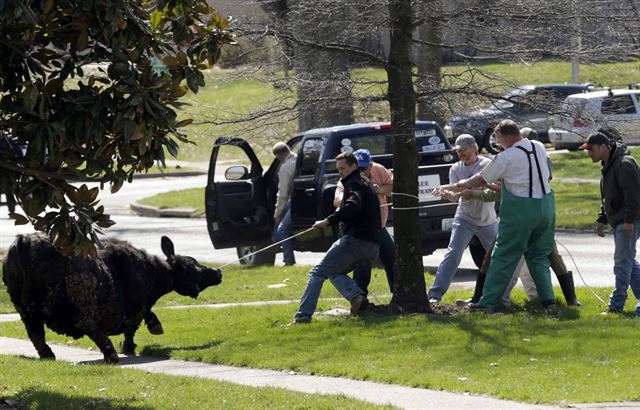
[516, 92]
[574, 106]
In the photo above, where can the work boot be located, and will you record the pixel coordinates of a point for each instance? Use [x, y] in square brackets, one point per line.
[477, 292]
[568, 289]
[357, 304]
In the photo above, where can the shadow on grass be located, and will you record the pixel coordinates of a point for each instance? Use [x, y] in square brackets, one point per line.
[160, 351]
[35, 398]
[489, 327]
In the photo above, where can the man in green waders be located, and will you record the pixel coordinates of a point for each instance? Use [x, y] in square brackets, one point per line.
[527, 214]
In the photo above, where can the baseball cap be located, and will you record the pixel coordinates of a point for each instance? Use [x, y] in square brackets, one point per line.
[593, 139]
[364, 157]
[530, 133]
[463, 141]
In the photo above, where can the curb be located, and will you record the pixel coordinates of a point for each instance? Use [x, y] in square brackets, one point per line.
[169, 174]
[153, 212]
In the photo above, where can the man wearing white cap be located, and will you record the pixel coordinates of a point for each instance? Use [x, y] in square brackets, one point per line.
[473, 217]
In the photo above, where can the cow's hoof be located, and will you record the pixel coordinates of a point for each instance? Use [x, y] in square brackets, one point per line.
[153, 324]
[111, 358]
[46, 354]
[128, 349]
[155, 328]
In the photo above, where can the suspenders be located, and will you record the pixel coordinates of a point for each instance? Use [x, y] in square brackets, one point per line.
[529, 153]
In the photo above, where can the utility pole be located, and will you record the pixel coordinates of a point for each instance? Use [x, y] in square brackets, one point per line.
[576, 44]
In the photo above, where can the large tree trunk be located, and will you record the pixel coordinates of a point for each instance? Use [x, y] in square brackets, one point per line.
[410, 293]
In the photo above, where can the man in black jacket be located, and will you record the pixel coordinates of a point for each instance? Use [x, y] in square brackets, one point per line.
[620, 192]
[360, 213]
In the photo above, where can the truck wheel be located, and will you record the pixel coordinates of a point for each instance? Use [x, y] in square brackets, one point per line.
[490, 143]
[265, 258]
[477, 251]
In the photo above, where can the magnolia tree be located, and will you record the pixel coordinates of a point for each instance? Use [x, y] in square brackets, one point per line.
[88, 92]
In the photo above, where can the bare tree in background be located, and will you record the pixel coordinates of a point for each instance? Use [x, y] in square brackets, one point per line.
[326, 41]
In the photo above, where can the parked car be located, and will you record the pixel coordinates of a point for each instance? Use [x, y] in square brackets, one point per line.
[239, 208]
[583, 114]
[530, 106]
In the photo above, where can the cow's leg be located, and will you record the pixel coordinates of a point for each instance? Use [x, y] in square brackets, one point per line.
[35, 330]
[106, 347]
[153, 323]
[128, 346]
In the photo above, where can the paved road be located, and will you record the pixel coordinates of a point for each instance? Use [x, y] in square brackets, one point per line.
[593, 255]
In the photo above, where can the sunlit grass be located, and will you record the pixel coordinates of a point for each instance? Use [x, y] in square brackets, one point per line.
[530, 355]
[35, 384]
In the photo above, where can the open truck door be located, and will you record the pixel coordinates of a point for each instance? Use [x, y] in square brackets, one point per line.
[238, 214]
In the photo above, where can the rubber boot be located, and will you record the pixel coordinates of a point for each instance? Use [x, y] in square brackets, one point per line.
[568, 289]
[477, 292]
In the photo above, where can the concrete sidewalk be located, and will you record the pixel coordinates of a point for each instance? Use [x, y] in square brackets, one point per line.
[378, 393]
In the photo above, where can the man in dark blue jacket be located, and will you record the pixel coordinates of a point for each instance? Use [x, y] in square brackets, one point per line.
[620, 208]
[360, 214]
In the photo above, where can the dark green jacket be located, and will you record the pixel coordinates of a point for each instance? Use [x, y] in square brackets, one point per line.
[620, 187]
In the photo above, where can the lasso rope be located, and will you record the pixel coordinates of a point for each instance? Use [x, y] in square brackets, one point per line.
[266, 247]
[580, 274]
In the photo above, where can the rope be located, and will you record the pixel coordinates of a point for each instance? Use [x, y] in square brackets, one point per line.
[266, 247]
[580, 274]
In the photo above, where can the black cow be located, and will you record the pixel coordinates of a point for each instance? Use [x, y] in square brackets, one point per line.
[97, 297]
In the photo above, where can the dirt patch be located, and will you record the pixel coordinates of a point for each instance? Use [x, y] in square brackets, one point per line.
[437, 308]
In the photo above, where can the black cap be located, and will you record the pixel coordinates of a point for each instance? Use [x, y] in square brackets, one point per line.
[593, 139]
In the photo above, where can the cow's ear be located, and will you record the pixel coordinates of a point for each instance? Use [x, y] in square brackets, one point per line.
[167, 247]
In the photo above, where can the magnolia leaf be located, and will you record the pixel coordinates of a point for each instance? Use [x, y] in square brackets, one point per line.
[184, 123]
[19, 218]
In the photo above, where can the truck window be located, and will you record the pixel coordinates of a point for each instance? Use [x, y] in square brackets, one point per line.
[427, 139]
[311, 150]
[620, 104]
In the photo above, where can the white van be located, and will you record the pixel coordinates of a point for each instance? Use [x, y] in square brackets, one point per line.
[583, 114]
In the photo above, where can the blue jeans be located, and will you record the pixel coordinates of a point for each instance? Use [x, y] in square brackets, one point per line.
[625, 267]
[362, 272]
[461, 234]
[283, 230]
[344, 255]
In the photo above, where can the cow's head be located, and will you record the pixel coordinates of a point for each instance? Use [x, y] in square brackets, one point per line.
[189, 277]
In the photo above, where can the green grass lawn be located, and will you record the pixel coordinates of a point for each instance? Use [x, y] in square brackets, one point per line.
[185, 198]
[577, 164]
[577, 205]
[570, 355]
[35, 384]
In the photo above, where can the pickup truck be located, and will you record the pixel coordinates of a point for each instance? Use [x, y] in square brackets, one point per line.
[239, 206]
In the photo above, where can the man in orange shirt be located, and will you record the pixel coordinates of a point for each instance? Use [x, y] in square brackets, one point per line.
[382, 182]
